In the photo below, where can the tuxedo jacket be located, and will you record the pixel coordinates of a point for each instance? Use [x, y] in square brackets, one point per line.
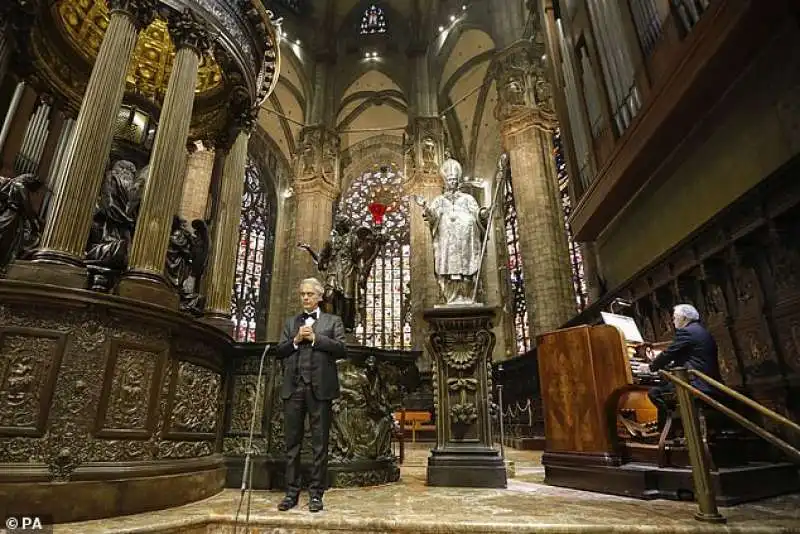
[694, 348]
[329, 346]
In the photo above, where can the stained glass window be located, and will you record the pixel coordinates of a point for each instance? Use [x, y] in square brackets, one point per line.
[373, 21]
[254, 260]
[383, 322]
[515, 273]
[576, 260]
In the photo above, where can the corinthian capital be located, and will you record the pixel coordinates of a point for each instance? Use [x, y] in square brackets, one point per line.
[522, 83]
[188, 32]
[141, 12]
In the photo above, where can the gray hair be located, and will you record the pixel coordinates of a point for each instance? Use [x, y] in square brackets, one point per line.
[687, 311]
[319, 289]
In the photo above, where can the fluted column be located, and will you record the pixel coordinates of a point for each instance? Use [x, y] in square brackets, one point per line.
[145, 277]
[51, 142]
[18, 117]
[30, 151]
[527, 122]
[70, 217]
[225, 233]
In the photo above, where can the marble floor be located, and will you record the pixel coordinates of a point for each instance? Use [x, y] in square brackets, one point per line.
[526, 506]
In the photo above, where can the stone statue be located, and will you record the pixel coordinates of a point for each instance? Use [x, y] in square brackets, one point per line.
[363, 421]
[113, 225]
[346, 259]
[429, 155]
[20, 225]
[187, 256]
[458, 226]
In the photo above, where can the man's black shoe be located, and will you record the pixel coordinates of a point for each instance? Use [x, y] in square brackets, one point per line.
[287, 503]
[315, 504]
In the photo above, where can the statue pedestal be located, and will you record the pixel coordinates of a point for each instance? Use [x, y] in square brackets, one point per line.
[461, 343]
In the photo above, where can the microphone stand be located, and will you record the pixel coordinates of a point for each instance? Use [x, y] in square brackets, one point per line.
[247, 472]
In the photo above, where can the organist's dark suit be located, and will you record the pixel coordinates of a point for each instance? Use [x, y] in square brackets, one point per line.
[692, 347]
[310, 383]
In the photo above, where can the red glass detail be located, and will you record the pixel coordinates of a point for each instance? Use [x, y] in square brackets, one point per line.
[377, 210]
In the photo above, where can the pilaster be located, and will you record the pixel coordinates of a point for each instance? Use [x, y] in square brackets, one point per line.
[197, 182]
[527, 118]
[424, 153]
[316, 186]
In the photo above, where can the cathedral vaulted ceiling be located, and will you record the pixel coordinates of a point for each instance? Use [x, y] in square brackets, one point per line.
[372, 96]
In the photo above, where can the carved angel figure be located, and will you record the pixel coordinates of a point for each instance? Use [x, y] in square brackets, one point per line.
[20, 225]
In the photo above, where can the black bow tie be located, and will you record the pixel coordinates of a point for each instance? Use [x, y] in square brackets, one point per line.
[312, 315]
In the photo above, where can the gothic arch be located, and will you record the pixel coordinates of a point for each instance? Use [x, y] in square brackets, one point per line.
[373, 152]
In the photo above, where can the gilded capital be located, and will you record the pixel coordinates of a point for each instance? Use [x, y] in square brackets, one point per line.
[187, 32]
[141, 12]
[522, 82]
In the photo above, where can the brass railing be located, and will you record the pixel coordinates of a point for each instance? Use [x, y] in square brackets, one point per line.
[701, 473]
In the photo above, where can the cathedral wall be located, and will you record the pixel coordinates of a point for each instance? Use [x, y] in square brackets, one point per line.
[750, 133]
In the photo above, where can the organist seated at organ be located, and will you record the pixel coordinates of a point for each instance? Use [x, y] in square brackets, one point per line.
[692, 347]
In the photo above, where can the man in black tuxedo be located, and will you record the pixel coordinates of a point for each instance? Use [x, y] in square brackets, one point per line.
[692, 347]
[310, 345]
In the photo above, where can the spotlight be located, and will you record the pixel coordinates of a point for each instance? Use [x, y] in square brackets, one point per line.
[441, 28]
[452, 18]
[464, 7]
[366, 55]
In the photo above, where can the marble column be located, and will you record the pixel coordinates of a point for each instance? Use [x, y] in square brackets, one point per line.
[145, 277]
[316, 186]
[196, 184]
[424, 153]
[527, 122]
[51, 143]
[67, 226]
[285, 244]
[221, 269]
[20, 111]
[30, 151]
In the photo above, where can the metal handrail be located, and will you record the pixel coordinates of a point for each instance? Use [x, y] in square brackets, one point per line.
[760, 408]
[749, 425]
[701, 473]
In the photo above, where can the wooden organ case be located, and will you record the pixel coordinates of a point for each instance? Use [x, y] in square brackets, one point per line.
[600, 426]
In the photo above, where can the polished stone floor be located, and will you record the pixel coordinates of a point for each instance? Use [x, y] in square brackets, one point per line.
[410, 506]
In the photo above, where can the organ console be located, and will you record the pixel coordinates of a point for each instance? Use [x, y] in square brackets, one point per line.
[601, 428]
[594, 382]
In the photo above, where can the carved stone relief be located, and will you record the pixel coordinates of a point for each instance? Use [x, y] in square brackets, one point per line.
[131, 387]
[26, 370]
[34, 339]
[197, 393]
